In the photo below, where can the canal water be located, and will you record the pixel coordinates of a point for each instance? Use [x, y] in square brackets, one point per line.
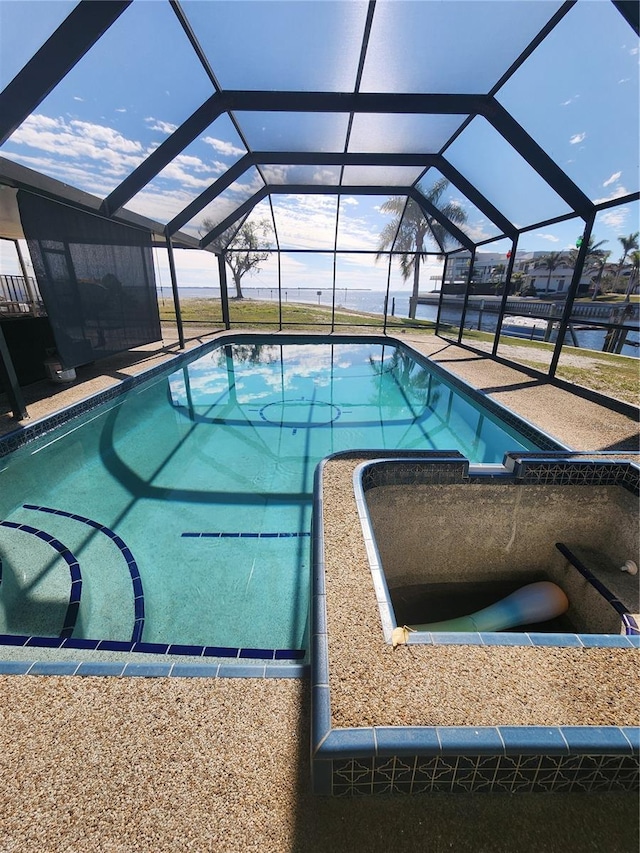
[372, 301]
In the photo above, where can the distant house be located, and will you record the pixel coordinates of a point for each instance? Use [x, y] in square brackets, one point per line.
[489, 268]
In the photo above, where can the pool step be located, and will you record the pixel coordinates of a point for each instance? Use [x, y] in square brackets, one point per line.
[41, 584]
[90, 588]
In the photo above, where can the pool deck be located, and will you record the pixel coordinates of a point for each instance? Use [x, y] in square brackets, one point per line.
[200, 764]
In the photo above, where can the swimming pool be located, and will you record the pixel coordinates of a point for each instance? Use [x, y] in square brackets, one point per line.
[176, 517]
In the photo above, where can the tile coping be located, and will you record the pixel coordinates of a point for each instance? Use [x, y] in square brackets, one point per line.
[448, 758]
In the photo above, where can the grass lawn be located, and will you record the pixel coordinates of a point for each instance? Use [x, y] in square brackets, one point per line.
[614, 375]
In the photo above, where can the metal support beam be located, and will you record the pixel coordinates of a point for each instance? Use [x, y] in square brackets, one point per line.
[442, 280]
[306, 189]
[260, 101]
[8, 373]
[431, 210]
[224, 291]
[238, 213]
[505, 295]
[160, 157]
[483, 204]
[176, 296]
[571, 294]
[80, 30]
[206, 197]
[539, 160]
[466, 295]
[630, 11]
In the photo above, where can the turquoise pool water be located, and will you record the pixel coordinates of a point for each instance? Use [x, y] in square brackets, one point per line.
[180, 514]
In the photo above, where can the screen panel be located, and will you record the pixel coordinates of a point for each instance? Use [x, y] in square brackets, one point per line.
[587, 116]
[456, 47]
[96, 278]
[108, 113]
[292, 46]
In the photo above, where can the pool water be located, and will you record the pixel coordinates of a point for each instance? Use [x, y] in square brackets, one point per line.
[181, 513]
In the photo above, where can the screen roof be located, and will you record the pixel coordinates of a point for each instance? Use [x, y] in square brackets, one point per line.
[185, 116]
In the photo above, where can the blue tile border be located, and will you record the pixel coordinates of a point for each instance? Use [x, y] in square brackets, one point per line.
[75, 593]
[153, 669]
[138, 594]
[450, 467]
[461, 759]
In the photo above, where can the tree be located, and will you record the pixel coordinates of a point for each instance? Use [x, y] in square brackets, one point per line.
[550, 261]
[598, 265]
[409, 229]
[250, 238]
[635, 270]
[629, 244]
[497, 276]
[595, 260]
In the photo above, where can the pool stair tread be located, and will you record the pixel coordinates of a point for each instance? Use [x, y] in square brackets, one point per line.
[105, 570]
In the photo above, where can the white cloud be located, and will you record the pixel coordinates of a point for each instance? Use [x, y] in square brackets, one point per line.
[550, 237]
[569, 101]
[161, 126]
[105, 136]
[227, 149]
[624, 80]
[612, 179]
[615, 218]
[618, 192]
[577, 138]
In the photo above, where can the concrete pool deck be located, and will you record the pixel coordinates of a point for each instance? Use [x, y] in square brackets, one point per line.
[222, 764]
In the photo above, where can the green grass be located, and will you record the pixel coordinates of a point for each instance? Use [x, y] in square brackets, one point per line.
[248, 312]
[614, 375]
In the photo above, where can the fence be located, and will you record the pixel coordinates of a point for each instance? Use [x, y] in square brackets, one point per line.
[20, 296]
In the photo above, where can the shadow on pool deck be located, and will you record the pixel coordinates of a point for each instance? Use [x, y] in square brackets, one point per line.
[174, 764]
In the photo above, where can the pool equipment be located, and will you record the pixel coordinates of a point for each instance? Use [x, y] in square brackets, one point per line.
[535, 602]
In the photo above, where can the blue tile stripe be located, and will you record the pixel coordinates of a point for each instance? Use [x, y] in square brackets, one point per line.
[227, 652]
[138, 592]
[243, 535]
[206, 669]
[75, 594]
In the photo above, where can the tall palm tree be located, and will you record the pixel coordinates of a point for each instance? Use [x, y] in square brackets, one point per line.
[635, 271]
[629, 244]
[550, 261]
[409, 229]
[593, 251]
[598, 265]
[594, 261]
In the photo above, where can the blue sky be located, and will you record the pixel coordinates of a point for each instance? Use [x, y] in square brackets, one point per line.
[577, 96]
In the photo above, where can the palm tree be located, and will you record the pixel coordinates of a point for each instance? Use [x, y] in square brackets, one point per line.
[629, 244]
[409, 229]
[497, 276]
[595, 260]
[550, 261]
[635, 270]
[593, 251]
[598, 265]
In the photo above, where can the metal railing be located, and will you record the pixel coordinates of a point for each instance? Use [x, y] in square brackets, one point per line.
[19, 296]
